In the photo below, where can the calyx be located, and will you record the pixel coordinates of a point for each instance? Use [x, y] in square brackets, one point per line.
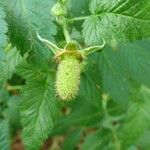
[71, 48]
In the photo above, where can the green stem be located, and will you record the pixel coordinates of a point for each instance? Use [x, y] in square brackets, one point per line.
[13, 87]
[116, 140]
[112, 128]
[81, 18]
[77, 18]
[65, 31]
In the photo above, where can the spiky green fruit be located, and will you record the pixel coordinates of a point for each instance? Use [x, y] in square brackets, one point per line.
[68, 77]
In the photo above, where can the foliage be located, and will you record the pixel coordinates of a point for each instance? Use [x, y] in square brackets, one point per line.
[111, 111]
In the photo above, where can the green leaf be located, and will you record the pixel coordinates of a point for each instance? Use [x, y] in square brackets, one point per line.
[38, 109]
[4, 135]
[12, 59]
[136, 56]
[8, 59]
[78, 7]
[4, 95]
[28, 71]
[119, 66]
[72, 139]
[114, 74]
[24, 18]
[138, 120]
[118, 20]
[144, 141]
[83, 114]
[91, 31]
[99, 139]
[3, 38]
[12, 113]
[89, 90]
[92, 141]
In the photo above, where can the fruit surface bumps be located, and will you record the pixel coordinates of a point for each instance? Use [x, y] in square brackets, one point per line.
[68, 78]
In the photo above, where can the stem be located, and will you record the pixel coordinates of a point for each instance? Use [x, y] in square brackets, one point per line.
[113, 130]
[116, 140]
[81, 18]
[13, 87]
[61, 18]
[77, 18]
[65, 31]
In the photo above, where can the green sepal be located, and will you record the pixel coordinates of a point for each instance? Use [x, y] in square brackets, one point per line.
[50, 45]
[85, 52]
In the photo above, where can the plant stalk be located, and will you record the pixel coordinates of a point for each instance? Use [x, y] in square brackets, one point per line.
[13, 87]
[81, 18]
[65, 31]
[113, 130]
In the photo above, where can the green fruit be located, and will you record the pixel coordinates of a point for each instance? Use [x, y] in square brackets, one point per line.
[68, 77]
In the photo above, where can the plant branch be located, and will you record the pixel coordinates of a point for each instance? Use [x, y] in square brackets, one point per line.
[13, 87]
[116, 140]
[65, 31]
[81, 18]
[112, 128]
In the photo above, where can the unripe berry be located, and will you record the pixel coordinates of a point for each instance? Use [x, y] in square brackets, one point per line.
[68, 77]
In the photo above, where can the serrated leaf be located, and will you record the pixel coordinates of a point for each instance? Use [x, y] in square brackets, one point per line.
[119, 66]
[4, 95]
[89, 90]
[118, 20]
[3, 38]
[92, 142]
[144, 141]
[28, 71]
[12, 59]
[96, 140]
[72, 139]
[138, 120]
[38, 108]
[136, 56]
[12, 113]
[91, 31]
[78, 7]
[4, 135]
[82, 115]
[24, 18]
[114, 74]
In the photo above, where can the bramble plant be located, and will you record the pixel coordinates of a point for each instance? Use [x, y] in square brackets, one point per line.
[75, 73]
